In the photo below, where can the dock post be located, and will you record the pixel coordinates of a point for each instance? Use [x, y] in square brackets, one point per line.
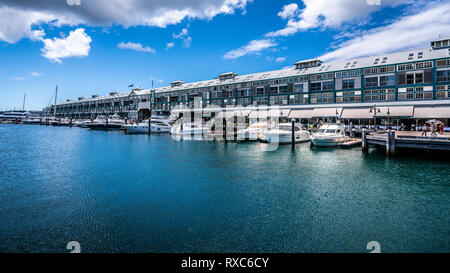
[388, 142]
[293, 134]
[40, 121]
[350, 127]
[364, 140]
[392, 142]
[224, 128]
[106, 124]
[70, 123]
[149, 125]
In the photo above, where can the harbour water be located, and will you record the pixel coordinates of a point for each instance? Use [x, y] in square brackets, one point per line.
[113, 192]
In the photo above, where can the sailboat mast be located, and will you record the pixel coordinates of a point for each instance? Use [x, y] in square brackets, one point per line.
[23, 106]
[56, 97]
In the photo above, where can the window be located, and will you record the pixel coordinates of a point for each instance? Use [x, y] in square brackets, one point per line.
[282, 89]
[387, 81]
[443, 76]
[410, 78]
[403, 67]
[419, 78]
[442, 63]
[328, 85]
[260, 91]
[298, 88]
[372, 82]
[316, 86]
[274, 90]
[348, 84]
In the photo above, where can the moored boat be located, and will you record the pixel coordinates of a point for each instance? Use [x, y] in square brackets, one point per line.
[283, 134]
[329, 135]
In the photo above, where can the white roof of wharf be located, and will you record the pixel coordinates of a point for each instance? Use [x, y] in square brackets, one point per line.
[383, 60]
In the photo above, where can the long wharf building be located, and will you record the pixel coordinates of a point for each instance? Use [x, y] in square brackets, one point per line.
[413, 84]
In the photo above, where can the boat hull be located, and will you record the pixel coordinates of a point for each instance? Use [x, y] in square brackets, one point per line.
[327, 142]
[286, 138]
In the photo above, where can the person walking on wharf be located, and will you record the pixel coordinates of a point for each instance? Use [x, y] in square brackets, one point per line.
[424, 129]
[433, 129]
[441, 128]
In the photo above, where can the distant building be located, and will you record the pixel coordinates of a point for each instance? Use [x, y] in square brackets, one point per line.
[414, 79]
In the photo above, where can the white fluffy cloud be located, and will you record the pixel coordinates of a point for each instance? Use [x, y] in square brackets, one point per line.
[280, 59]
[35, 74]
[77, 44]
[184, 36]
[169, 45]
[327, 13]
[135, 47]
[288, 11]
[254, 47]
[413, 31]
[18, 18]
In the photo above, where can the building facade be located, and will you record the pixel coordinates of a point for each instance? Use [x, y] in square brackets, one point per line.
[415, 78]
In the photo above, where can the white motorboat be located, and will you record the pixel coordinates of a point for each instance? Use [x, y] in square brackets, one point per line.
[111, 123]
[283, 134]
[157, 126]
[329, 135]
[253, 132]
[33, 120]
[189, 129]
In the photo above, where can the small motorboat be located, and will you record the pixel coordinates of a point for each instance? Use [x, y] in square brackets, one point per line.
[329, 135]
[283, 134]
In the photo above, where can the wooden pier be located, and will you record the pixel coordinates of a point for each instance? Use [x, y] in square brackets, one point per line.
[392, 140]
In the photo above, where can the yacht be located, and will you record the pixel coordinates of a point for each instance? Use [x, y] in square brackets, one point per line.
[253, 132]
[188, 129]
[283, 134]
[17, 115]
[111, 123]
[329, 135]
[32, 120]
[158, 125]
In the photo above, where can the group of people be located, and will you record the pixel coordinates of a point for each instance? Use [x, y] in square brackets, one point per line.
[433, 128]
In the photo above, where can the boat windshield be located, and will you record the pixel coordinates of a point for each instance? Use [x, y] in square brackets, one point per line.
[328, 131]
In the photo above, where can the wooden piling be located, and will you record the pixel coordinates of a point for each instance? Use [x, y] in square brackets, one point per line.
[293, 134]
[388, 142]
[392, 142]
[149, 126]
[364, 140]
[107, 124]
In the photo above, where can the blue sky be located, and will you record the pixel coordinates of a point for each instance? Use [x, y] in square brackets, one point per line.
[93, 47]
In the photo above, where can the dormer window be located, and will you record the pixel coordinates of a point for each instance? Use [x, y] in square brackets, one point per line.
[227, 76]
[440, 43]
[308, 63]
[176, 83]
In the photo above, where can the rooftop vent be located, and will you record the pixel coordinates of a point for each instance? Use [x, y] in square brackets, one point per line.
[308, 63]
[227, 76]
[95, 96]
[113, 93]
[176, 83]
[80, 98]
[441, 43]
[69, 100]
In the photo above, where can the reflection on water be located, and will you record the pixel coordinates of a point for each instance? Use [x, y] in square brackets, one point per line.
[133, 193]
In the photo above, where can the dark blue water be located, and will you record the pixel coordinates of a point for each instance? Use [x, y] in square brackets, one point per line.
[130, 193]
